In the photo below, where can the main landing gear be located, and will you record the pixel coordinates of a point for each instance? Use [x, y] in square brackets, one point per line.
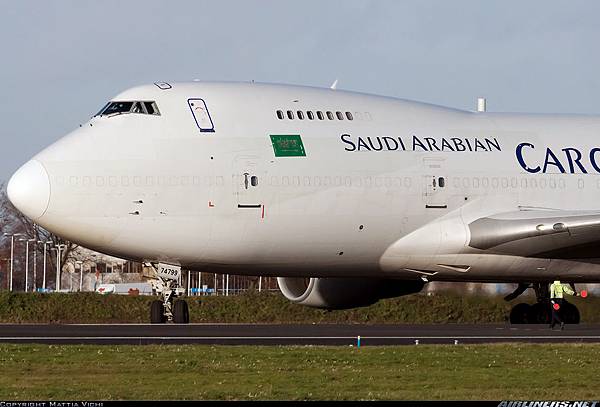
[169, 309]
[540, 312]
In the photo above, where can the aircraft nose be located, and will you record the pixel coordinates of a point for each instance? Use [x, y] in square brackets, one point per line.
[29, 189]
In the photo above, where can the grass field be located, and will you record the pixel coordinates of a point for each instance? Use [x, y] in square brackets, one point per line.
[299, 373]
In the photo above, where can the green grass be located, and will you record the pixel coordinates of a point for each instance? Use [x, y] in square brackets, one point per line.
[253, 372]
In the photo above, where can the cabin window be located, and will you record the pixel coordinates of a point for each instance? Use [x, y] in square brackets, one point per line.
[339, 115]
[310, 115]
[280, 115]
[441, 182]
[254, 180]
[349, 116]
[330, 115]
[320, 115]
[300, 114]
[290, 115]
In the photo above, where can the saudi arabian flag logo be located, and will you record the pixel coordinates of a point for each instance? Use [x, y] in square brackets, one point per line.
[288, 145]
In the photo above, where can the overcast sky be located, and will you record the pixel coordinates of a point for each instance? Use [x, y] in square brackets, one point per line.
[62, 60]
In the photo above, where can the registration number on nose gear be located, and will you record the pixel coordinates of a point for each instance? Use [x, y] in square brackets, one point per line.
[169, 271]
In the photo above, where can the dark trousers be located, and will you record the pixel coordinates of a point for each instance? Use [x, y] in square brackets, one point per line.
[556, 313]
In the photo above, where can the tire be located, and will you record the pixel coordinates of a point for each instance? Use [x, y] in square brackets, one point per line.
[519, 314]
[181, 313]
[157, 312]
[569, 313]
[540, 313]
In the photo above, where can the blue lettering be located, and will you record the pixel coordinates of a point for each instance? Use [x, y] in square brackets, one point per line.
[344, 136]
[479, 144]
[387, 144]
[372, 146]
[469, 144]
[551, 159]
[494, 144]
[458, 144]
[593, 152]
[402, 144]
[573, 161]
[416, 142]
[446, 145]
[363, 144]
[519, 153]
[431, 143]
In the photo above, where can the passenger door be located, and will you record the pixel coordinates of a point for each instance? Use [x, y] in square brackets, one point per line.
[249, 177]
[434, 179]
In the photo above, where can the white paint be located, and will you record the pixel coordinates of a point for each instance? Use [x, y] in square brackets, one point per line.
[166, 189]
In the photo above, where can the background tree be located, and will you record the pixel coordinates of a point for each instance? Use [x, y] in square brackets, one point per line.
[12, 221]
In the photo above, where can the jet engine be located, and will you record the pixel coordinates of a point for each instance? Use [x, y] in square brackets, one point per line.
[343, 293]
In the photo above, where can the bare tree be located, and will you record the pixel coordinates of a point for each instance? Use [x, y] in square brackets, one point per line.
[12, 221]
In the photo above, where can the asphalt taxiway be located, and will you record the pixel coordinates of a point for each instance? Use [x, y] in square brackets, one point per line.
[315, 334]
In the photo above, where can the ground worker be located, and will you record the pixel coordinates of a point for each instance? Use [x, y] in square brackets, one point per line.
[557, 290]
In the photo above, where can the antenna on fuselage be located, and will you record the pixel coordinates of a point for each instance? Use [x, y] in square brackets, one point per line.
[334, 85]
[481, 105]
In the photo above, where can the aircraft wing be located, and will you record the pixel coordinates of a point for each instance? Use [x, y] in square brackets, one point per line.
[543, 233]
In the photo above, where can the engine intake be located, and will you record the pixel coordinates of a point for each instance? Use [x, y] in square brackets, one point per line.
[343, 293]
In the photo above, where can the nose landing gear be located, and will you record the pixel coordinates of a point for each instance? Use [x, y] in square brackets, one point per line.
[167, 286]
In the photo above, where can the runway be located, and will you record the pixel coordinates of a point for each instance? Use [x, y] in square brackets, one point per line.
[325, 334]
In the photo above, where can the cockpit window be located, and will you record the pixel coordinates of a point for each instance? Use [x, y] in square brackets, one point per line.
[151, 108]
[117, 107]
[137, 108]
[140, 107]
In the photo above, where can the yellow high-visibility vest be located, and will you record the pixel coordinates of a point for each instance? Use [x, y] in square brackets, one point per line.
[557, 290]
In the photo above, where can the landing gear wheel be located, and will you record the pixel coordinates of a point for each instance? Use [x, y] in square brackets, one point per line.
[569, 313]
[519, 314]
[157, 312]
[181, 313]
[539, 313]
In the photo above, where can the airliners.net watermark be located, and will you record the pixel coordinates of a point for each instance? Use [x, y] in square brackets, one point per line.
[563, 403]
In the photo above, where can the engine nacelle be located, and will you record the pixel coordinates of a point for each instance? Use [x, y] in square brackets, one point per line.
[342, 293]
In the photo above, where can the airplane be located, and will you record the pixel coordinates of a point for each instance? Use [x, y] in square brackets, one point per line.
[348, 198]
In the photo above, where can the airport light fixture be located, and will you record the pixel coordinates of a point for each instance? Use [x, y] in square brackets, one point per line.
[80, 274]
[27, 265]
[27, 261]
[189, 282]
[44, 276]
[12, 249]
[34, 283]
[58, 248]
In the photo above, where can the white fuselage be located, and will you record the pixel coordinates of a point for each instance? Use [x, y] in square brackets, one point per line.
[389, 193]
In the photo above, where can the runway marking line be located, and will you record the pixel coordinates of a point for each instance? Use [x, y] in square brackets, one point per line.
[5, 338]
